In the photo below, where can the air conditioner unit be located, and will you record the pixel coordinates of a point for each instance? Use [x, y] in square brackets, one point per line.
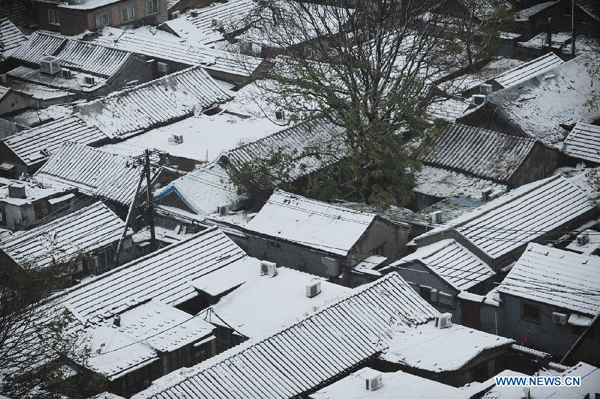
[333, 267]
[176, 138]
[478, 99]
[175, 14]
[486, 194]
[268, 268]
[256, 49]
[445, 299]
[66, 73]
[435, 217]
[559, 318]
[280, 115]
[583, 239]
[50, 65]
[223, 210]
[485, 89]
[443, 321]
[313, 289]
[217, 23]
[433, 295]
[162, 67]
[89, 80]
[374, 382]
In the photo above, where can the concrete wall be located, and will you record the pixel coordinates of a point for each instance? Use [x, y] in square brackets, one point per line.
[545, 335]
[541, 162]
[18, 216]
[136, 68]
[391, 236]
[14, 101]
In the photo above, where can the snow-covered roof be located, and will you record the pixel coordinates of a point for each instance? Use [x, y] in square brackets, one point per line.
[311, 223]
[84, 4]
[35, 145]
[479, 152]
[524, 15]
[591, 246]
[265, 303]
[203, 190]
[528, 70]
[73, 54]
[584, 142]
[452, 262]
[33, 191]
[560, 278]
[351, 330]
[520, 216]
[559, 96]
[64, 239]
[447, 110]
[155, 103]
[162, 45]
[10, 38]
[93, 172]
[395, 385]
[443, 183]
[294, 141]
[197, 25]
[439, 350]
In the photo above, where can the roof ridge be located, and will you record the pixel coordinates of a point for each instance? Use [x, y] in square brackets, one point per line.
[321, 203]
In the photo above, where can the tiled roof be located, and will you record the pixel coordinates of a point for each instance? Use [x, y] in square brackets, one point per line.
[559, 278]
[584, 142]
[153, 104]
[168, 47]
[73, 54]
[479, 152]
[294, 139]
[63, 239]
[94, 172]
[164, 275]
[311, 223]
[452, 262]
[523, 215]
[524, 15]
[18, 13]
[10, 37]
[528, 70]
[591, 7]
[30, 145]
[306, 354]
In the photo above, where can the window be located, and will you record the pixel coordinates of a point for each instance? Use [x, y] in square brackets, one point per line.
[53, 17]
[152, 7]
[425, 292]
[274, 245]
[530, 313]
[102, 19]
[127, 13]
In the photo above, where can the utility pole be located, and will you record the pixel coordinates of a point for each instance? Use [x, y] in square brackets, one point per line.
[150, 205]
[127, 220]
[573, 28]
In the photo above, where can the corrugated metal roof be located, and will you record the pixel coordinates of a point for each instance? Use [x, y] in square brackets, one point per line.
[64, 239]
[34, 145]
[452, 262]
[164, 275]
[528, 70]
[10, 37]
[584, 142]
[73, 54]
[560, 278]
[306, 354]
[479, 152]
[93, 172]
[152, 104]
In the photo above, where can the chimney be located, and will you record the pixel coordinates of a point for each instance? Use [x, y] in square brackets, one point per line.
[17, 191]
[117, 321]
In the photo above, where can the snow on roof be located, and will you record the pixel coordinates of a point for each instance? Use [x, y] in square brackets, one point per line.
[351, 330]
[560, 96]
[452, 262]
[479, 152]
[159, 44]
[264, 304]
[92, 171]
[470, 81]
[11, 38]
[197, 25]
[447, 110]
[311, 223]
[520, 216]
[35, 145]
[590, 246]
[295, 139]
[38, 46]
[155, 103]
[442, 183]
[33, 191]
[84, 4]
[524, 15]
[36, 91]
[584, 142]
[430, 348]
[223, 280]
[560, 278]
[203, 190]
[395, 385]
[528, 70]
[63, 239]
[163, 275]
